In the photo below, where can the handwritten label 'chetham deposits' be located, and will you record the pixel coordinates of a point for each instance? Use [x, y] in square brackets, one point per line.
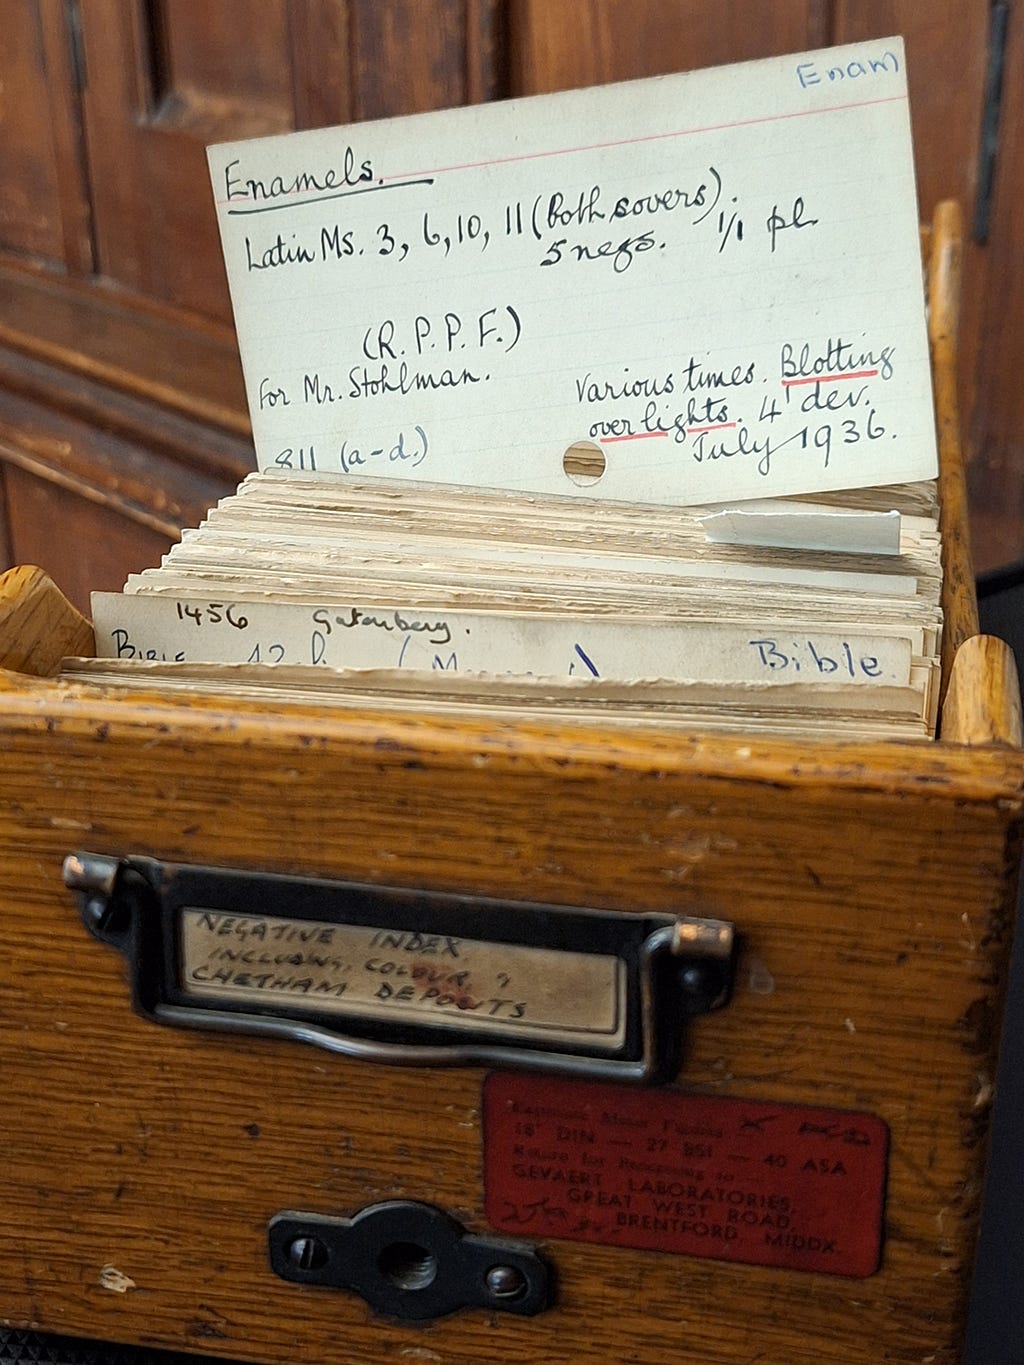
[404, 974]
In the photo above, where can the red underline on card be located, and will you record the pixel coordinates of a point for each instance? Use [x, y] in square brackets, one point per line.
[718, 426]
[829, 378]
[636, 436]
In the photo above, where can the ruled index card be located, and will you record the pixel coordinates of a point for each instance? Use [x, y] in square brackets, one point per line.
[704, 288]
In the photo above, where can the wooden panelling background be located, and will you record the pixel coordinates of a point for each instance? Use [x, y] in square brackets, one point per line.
[996, 414]
[587, 42]
[114, 314]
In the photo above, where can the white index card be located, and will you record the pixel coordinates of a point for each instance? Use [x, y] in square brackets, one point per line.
[710, 281]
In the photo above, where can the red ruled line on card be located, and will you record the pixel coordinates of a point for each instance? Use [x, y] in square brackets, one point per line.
[652, 137]
[416, 177]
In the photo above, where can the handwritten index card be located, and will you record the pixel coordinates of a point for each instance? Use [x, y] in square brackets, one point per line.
[684, 290]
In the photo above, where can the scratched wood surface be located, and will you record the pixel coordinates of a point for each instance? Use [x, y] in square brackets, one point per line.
[872, 885]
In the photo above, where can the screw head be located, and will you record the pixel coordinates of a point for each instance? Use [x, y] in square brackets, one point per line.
[96, 909]
[695, 978]
[505, 1281]
[306, 1253]
[103, 915]
[700, 984]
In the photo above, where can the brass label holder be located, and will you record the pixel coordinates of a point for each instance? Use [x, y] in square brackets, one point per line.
[407, 977]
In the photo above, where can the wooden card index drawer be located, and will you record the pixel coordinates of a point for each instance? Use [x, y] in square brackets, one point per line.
[805, 1189]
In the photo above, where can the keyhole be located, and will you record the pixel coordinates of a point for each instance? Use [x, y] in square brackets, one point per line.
[407, 1265]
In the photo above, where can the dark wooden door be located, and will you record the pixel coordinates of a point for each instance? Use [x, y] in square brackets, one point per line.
[174, 77]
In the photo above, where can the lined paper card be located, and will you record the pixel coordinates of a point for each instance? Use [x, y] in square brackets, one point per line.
[188, 630]
[692, 289]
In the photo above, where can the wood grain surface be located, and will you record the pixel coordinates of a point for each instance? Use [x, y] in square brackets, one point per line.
[870, 885]
[38, 626]
[943, 266]
[983, 700]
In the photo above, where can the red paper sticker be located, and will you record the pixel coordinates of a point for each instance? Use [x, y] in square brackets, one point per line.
[735, 1180]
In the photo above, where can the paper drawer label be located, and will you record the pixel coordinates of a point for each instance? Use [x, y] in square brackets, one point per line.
[731, 1179]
